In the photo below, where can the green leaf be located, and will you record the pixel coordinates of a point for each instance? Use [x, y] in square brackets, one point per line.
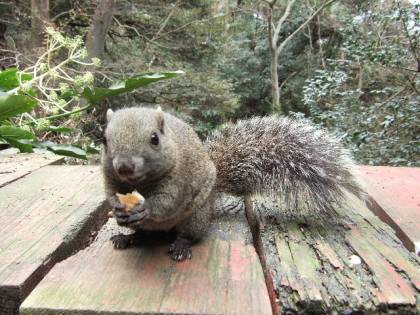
[11, 132]
[17, 137]
[12, 105]
[68, 150]
[9, 79]
[97, 94]
[93, 149]
[60, 129]
[22, 145]
[63, 149]
[69, 94]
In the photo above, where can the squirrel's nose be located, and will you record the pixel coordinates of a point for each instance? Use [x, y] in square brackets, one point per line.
[125, 168]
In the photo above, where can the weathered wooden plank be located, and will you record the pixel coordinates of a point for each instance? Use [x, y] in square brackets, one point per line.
[223, 277]
[395, 193]
[304, 266]
[17, 165]
[309, 257]
[393, 288]
[44, 217]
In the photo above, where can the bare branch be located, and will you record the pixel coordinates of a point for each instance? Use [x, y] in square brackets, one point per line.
[61, 14]
[270, 29]
[8, 22]
[322, 7]
[281, 21]
[321, 51]
[163, 25]
[287, 79]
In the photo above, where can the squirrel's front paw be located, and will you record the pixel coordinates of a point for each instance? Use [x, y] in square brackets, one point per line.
[134, 218]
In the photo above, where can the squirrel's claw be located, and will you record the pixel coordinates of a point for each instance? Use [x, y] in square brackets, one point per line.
[122, 241]
[119, 206]
[180, 249]
[118, 210]
[134, 218]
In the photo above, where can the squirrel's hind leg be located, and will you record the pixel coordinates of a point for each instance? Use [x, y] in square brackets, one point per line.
[122, 241]
[191, 230]
[180, 249]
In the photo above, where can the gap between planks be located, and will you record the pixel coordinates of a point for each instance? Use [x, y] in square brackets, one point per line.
[254, 225]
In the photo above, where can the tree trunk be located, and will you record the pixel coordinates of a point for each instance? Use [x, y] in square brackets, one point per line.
[275, 91]
[95, 41]
[360, 77]
[40, 17]
[276, 50]
[321, 51]
[272, 42]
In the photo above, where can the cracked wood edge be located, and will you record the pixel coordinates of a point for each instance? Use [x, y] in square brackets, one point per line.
[308, 256]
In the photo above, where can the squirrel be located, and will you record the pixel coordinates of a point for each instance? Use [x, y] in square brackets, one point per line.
[180, 177]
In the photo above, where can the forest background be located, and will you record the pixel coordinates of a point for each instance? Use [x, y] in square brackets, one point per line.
[351, 66]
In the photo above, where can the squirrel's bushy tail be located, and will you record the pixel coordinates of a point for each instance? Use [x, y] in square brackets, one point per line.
[289, 158]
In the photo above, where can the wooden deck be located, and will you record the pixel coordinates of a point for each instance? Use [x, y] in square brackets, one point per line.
[53, 261]
[396, 200]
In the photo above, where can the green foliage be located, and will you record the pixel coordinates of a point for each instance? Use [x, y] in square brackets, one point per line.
[190, 40]
[16, 136]
[24, 91]
[12, 105]
[207, 101]
[324, 86]
[245, 61]
[369, 95]
[9, 80]
[354, 71]
[97, 94]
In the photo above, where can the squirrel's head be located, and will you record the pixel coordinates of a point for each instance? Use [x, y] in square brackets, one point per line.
[138, 146]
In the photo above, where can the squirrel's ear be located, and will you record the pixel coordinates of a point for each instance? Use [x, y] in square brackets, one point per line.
[160, 119]
[109, 114]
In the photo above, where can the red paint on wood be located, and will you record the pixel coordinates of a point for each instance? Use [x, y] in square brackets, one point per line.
[223, 277]
[238, 261]
[396, 195]
[394, 289]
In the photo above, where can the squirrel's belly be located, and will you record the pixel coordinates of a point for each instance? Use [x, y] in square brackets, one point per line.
[166, 224]
[159, 226]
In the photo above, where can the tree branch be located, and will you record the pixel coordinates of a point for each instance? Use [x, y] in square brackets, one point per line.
[281, 21]
[288, 38]
[163, 25]
[287, 79]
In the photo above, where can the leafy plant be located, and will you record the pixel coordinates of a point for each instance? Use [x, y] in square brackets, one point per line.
[33, 99]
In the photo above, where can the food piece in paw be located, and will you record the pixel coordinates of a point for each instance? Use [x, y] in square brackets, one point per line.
[130, 200]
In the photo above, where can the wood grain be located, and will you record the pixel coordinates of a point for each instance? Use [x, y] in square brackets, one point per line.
[395, 193]
[15, 166]
[223, 277]
[44, 217]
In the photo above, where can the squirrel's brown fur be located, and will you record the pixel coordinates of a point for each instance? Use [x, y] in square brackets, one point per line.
[178, 178]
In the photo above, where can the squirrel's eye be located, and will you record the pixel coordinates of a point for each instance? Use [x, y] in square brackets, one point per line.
[154, 139]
